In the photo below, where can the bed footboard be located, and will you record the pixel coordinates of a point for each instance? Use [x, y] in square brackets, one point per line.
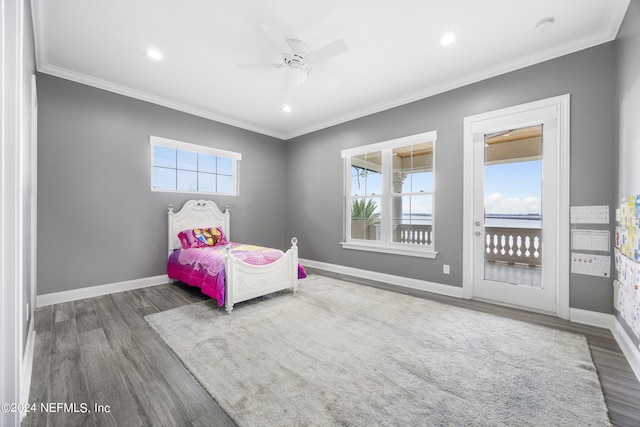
[245, 281]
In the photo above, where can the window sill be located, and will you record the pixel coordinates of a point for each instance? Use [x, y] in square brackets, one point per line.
[421, 252]
[206, 193]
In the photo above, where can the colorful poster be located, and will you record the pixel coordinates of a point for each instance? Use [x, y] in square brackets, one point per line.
[593, 265]
[627, 263]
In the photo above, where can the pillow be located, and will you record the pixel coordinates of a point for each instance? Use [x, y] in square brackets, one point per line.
[222, 240]
[200, 237]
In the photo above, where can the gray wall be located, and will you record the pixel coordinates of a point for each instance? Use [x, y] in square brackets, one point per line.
[628, 103]
[98, 220]
[314, 167]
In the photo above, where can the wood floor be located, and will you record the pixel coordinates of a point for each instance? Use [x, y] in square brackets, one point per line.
[100, 351]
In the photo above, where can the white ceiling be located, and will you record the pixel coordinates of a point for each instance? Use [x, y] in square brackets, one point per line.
[394, 54]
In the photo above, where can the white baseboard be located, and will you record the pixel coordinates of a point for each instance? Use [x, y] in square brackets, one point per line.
[592, 318]
[95, 291]
[609, 321]
[627, 346]
[26, 367]
[404, 282]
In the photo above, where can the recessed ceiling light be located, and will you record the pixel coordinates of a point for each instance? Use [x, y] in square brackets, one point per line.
[287, 108]
[153, 54]
[447, 39]
[545, 24]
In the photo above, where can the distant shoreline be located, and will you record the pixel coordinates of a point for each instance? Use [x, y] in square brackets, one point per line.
[529, 217]
[533, 221]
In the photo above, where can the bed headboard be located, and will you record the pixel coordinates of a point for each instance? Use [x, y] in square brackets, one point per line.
[196, 214]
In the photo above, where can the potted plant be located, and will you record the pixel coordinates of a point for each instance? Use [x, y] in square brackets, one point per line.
[364, 218]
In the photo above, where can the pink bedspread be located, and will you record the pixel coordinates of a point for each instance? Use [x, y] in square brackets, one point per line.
[204, 267]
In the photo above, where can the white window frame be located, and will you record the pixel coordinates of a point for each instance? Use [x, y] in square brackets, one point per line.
[180, 145]
[386, 244]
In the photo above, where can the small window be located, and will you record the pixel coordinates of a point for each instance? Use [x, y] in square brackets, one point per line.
[189, 168]
[389, 196]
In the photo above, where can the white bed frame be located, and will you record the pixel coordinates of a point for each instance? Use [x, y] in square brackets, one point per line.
[243, 281]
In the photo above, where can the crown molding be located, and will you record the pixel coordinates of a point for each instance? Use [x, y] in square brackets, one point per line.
[608, 33]
[616, 13]
[153, 99]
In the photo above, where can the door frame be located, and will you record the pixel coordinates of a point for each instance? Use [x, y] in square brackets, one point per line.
[561, 112]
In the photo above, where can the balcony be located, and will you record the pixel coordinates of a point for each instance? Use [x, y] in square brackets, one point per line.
[411, 233]
[402, 233]
[513, 245]
[513, 255]
[522, 246]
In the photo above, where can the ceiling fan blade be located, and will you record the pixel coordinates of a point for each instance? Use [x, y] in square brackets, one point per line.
[278, 40]
[292, 78]
[332, 49]
[261, 65]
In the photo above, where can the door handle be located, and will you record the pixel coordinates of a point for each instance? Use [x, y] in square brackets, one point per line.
[477, 233]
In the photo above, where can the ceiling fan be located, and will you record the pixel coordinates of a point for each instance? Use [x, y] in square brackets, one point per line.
[297, 61]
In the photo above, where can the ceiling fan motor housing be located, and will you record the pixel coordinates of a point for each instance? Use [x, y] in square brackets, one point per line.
[298, 52]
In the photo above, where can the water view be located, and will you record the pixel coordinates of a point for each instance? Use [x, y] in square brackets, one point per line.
[491, 220]
[513, 221]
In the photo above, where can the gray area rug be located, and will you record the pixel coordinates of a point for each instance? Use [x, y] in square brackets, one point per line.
[338, 353]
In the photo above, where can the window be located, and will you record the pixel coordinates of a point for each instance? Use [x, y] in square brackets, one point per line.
[389, 189]
[189, 168]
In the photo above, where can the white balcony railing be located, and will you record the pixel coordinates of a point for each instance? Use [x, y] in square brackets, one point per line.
[502, 244]
[513, 245]
[416, 234]
[402, 233]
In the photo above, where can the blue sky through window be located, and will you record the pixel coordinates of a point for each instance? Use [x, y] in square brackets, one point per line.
[513, 188]
[190, 171]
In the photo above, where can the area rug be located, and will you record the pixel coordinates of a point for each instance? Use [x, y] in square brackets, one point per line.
[339, 353]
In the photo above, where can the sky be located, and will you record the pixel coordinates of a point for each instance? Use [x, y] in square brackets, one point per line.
[513, 188]
[184, 170]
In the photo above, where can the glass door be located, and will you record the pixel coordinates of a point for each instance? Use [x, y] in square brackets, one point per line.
[513, 206]
[514, 217]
